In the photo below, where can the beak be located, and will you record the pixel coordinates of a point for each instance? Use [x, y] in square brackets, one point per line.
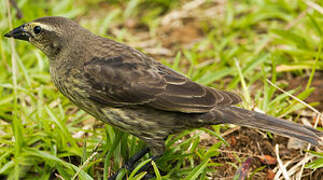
[19, 33]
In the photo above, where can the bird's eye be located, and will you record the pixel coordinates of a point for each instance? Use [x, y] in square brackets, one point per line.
[37, 29]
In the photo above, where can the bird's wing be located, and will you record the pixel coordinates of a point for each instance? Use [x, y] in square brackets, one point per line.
[125, 80]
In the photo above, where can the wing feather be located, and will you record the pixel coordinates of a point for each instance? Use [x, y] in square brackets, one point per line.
[125, 80]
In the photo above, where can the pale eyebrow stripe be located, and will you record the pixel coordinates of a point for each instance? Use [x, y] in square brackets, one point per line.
[44, 26]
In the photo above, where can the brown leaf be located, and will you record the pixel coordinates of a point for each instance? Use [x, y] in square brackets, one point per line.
[270, 174]
[267, 159]
[233, 141]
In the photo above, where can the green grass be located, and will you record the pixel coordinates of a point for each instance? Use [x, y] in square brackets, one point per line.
[240, 45]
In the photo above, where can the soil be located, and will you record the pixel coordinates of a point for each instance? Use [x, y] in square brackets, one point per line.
[250, 143]
[317, 83]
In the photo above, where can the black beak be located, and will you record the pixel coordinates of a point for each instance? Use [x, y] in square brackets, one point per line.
[18, 33]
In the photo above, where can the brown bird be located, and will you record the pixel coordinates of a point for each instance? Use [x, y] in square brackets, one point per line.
[134, 93]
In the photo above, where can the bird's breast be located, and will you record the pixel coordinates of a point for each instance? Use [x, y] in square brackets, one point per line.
[70, 82]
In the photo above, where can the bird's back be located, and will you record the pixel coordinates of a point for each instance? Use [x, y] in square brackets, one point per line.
[122, 76]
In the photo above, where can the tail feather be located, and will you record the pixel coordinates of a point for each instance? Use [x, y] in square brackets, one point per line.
[243, 117]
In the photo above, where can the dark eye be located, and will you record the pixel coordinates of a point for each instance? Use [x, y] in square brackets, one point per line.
[37, 29]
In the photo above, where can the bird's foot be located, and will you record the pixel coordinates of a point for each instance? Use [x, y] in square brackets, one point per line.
[130, 164]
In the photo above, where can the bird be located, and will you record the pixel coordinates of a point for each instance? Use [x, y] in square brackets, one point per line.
[131, 91]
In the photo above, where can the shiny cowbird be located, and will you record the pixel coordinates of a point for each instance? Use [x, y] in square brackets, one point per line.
[131, 91]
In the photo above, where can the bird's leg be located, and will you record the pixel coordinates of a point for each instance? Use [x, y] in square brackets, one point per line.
[147, 166]
[131, 162]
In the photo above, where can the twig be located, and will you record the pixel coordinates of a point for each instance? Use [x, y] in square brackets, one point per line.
[319, 116]
[278, 171]
[231, 130]
[308, 148]
[280, 163]
[59, 176]
[294, 97]
[84, 164]
[240, 153]
[88, 159]
[293, 169]
[315, 6]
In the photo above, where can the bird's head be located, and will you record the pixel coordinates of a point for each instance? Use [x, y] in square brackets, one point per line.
[49, 34]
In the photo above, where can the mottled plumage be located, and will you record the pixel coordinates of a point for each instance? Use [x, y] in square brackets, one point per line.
[129, 90]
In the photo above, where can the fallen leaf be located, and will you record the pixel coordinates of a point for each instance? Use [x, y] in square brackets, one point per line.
[270, 174]
[267, 159]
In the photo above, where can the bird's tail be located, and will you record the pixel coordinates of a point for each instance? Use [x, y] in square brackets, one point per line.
[243, 117]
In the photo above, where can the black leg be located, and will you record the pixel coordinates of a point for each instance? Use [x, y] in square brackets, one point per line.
[132, 161]
[129, 165]
[146, 167]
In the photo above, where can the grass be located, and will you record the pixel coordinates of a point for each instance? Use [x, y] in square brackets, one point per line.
[234, 45]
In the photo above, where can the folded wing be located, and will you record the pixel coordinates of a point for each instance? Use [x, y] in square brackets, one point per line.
[124, 80]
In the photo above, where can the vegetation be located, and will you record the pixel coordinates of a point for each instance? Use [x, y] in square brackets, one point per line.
[234, 45]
